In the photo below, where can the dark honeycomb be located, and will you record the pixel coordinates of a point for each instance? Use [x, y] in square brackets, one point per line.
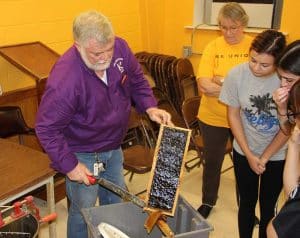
[167, 171]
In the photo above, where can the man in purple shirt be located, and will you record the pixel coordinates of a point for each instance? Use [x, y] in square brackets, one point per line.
[84, 112]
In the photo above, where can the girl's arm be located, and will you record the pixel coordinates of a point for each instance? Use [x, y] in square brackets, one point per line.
[280, 97]
[276, 144]
[208, 87]
[291, 169]
[238, 132]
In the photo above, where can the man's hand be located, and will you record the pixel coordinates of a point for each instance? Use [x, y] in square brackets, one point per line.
[79, 174]
[160, 116]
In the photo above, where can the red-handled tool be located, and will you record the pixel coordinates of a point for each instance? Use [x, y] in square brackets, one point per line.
[118, 190]
[125, 195]
[92, 179]
[48, 218]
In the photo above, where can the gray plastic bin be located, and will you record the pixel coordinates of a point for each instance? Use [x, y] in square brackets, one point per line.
[130, 219]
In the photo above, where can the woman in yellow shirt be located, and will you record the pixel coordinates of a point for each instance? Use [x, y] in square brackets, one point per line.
[218, 58]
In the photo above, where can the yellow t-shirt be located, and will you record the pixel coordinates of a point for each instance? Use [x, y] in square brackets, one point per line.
[217, 59]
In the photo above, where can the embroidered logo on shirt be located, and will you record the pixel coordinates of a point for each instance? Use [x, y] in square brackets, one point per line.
[119, 64]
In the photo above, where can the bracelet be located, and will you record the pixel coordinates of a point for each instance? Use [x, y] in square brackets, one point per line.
[283, 122]
[280, 113]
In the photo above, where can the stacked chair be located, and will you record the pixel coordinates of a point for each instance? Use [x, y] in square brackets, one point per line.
[138, 145]
[174, 86]
[172, 81]
[189, 112]
[173, 76]
[163, 102]
[190, 108]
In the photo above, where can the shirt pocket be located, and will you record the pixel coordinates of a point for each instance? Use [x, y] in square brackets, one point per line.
[124, 87]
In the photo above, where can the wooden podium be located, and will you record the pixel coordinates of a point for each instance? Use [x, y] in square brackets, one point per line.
[33, 62]
[34, 59]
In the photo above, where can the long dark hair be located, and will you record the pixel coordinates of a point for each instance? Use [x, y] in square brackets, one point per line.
[289, 60]
[294, 98]
[270, 42]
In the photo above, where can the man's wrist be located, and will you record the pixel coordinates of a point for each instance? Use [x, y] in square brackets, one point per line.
[150, 109]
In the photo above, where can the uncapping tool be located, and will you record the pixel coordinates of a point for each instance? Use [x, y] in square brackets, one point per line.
[124, 194]
[118, 190]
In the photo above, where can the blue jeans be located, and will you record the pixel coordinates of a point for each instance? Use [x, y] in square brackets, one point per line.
[82, 196]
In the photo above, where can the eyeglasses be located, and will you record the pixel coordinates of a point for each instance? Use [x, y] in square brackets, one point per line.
[231, 28]
[292, 117]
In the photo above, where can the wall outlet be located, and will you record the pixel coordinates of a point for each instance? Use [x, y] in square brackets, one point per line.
[187, 51]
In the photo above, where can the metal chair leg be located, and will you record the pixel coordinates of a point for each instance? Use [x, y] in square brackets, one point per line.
[195, 164]
[230, 167]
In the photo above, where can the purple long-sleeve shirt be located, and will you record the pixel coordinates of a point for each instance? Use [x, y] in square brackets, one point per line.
[80, 113]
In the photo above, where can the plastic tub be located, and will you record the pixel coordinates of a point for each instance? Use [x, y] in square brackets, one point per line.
[130, 219]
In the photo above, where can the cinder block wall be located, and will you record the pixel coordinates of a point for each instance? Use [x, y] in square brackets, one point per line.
[51, 23]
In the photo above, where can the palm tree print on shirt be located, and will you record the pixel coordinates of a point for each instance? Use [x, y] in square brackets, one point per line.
[262, 114]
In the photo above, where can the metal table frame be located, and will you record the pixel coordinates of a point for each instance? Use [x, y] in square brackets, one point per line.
[49, 182]
[24, 170]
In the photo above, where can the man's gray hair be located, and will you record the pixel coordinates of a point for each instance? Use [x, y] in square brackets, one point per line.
[92, 25]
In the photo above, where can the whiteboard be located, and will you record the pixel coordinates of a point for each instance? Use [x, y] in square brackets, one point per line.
[262, 14]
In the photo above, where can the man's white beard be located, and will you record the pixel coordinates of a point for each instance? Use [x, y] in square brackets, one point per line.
[99, 66]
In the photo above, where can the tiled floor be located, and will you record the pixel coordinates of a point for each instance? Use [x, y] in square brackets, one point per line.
[223, 217]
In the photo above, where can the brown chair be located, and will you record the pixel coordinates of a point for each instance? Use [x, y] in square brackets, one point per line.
[12, 123]
[163, 102]
[138, 145]
[189, 110]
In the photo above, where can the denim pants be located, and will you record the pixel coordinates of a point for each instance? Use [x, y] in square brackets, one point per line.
[82, 196]
[252, 187]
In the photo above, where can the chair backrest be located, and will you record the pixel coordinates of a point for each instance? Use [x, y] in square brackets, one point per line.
[138, 145]
[189, 110]
[139, 131]
[12, 122]
[146, 72]
[163, 102]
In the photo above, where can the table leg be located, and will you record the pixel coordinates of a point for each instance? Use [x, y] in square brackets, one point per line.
[51, 206]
